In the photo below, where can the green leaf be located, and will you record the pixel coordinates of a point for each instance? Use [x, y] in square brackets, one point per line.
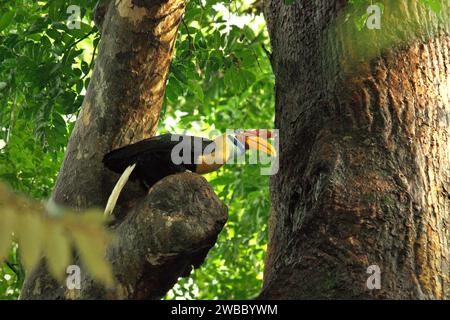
[249, 34]
[6, 19]
[198, 91]
[57, 251]
[30, 232]
[85, 67]
[179, 74]
[54, 34]
[93, 252]
[92, 255]
[230, 77]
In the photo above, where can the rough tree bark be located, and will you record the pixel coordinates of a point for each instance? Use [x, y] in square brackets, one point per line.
[160, 235]
[364, 153]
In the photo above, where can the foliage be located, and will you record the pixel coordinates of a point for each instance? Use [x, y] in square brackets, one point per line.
[52, 235]
[11, 275]
[44, 71]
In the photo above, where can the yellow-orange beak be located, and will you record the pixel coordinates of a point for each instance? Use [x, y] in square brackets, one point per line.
[253, 140]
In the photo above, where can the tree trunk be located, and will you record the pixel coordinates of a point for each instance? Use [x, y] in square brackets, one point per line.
[159, 235]
[364, 173]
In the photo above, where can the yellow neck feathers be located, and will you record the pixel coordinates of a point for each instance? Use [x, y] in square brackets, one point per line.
[213, 159]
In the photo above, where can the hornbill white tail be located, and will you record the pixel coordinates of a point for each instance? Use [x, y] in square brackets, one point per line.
[152, 159]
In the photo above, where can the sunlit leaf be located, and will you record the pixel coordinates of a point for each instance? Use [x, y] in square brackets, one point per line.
[92, 256]
[5, 19]
[7, 221]
[57, 251]
[30, 232]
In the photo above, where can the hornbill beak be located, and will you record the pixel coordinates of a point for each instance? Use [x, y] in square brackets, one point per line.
[255, 139]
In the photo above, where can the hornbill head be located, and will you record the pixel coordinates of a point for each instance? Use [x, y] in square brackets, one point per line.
[256, 140]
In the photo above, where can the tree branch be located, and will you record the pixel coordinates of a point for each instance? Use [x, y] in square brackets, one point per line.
[159, 235]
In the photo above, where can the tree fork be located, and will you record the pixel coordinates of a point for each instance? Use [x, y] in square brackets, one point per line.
[155, 242]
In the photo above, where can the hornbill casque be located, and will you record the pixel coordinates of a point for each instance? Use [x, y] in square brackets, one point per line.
[150, 160]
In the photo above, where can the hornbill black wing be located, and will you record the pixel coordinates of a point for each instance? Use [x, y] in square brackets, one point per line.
[152, 157]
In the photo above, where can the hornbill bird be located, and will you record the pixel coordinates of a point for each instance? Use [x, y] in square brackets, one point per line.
[150, 160]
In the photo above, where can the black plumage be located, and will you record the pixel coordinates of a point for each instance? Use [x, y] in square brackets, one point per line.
[153, 157]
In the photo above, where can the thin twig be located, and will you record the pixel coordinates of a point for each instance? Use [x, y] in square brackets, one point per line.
[77, 42]
[191, 44]
[11, 266]
[92, 59]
